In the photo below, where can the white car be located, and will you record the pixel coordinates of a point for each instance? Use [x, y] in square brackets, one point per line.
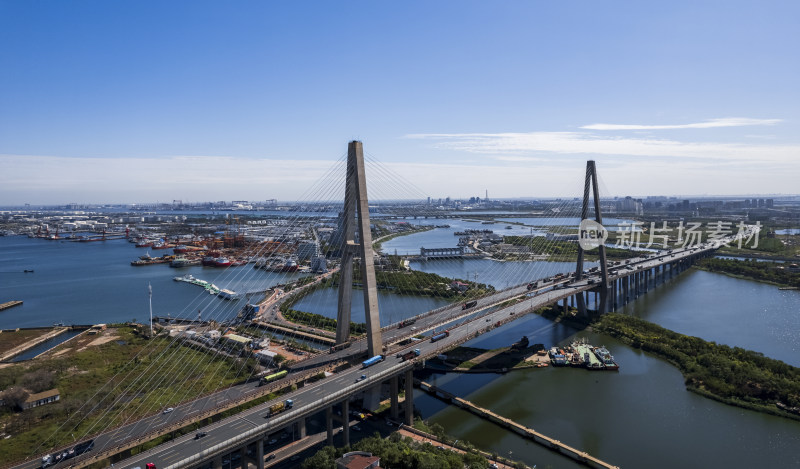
[167, 410]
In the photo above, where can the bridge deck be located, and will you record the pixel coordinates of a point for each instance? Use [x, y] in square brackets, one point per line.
[228, 434]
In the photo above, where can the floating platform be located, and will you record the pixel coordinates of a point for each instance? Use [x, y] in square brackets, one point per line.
[188, 278]
[10, 304]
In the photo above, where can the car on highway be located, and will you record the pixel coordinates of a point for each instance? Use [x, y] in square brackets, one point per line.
[167, 410]
[356, 428]
[361, 378]
[272, 441]
[200, 435]
[294, 458]
[271, 457]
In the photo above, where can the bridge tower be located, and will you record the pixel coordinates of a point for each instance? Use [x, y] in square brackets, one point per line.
[591, 179]
[355, 203]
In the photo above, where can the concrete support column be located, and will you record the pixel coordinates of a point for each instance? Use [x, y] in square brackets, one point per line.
[614, 284]
[625, 291]
[638, 284]
[260, 454]
[346, 422]
[329, 424]
[394, 410]
[216, 463]
[565, 306]
[243, 457]
[409, 402]
[301, 427]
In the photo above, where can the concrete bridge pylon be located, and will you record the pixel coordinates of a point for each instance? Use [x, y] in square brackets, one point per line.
[356, 216]
[591, 181]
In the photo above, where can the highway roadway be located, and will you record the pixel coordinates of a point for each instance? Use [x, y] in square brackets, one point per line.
[307, 399]
[179, 453]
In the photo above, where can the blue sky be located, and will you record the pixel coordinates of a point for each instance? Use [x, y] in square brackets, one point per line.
[141, 101]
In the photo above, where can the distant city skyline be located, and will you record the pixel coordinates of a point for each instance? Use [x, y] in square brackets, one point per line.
[122, 102]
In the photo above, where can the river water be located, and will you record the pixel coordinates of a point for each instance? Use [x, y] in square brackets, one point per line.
[641, 416]
[90, 283]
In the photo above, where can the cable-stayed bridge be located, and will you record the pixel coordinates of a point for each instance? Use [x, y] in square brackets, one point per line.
[592, 291]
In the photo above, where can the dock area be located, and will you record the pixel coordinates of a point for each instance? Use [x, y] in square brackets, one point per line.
[583, 350]
[10, 304]
[209, 287]
[29, 343]
[528, 433]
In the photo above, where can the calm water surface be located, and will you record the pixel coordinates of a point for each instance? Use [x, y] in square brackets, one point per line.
[90, 283]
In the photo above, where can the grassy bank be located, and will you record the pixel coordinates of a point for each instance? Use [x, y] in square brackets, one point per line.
[777, 274]
[376, 245]
[565, 250]
[104, 385]
[728, 374]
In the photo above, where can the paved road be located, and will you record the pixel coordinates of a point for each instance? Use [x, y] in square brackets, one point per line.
[311, 395]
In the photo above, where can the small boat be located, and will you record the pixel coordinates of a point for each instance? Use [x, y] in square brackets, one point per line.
[606, 358]
[183, 262]
[226, 294]
[28, 271]
[222, 262]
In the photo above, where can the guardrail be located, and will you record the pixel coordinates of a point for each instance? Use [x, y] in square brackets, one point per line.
[290, 416]
[141, 439]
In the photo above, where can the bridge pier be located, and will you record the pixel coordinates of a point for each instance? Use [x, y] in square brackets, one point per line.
[301, 427]
[243, 457]
[346, 421]
[625, 291]
[216, 463]
[394, 411]
[329, 424]
[409, 401]
[260, 454]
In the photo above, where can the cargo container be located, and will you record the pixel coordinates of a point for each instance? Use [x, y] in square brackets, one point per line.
[371, 361]
[273, 377]
[409, 355]
[405, 323]
[279, 407]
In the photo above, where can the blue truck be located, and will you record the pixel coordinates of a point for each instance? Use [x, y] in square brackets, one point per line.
[440, 336]
[371, 361]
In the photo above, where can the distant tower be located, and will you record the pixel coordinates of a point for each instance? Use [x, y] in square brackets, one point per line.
[355, 203]
[591, 182]
[486, 199]
[150, 290]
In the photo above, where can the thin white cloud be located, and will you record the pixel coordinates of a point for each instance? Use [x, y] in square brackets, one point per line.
[709, 124]
[53, 179]
[582, 143]
[58, 180]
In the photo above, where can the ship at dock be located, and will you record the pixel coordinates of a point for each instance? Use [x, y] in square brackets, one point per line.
[189, 278]
[606, 358]
[288, 265]
[148, 260]
[183, 262]
[581, 354]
